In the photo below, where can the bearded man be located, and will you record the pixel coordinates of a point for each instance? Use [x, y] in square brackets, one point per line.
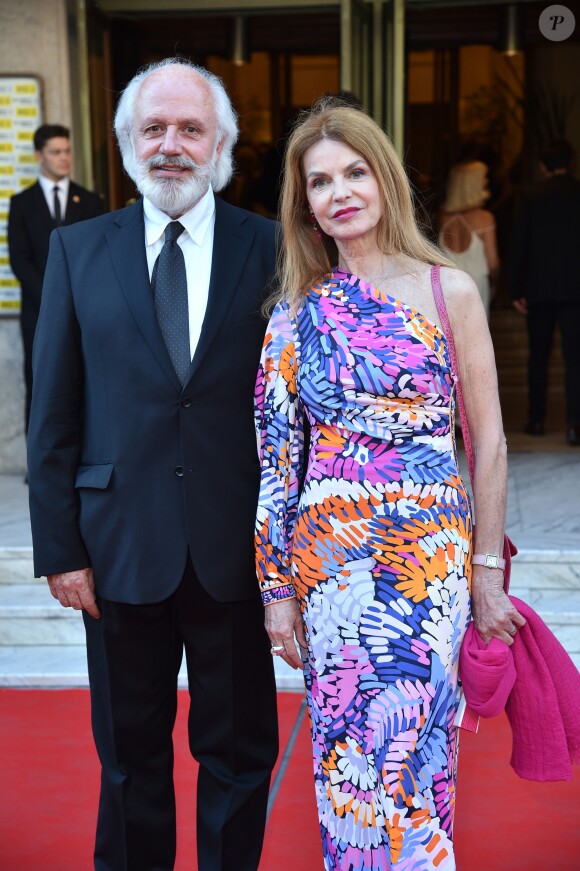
[144, 476]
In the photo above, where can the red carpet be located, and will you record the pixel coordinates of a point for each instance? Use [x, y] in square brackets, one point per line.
[49, 786]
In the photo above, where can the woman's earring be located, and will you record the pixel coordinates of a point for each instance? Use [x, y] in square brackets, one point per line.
[315, 227]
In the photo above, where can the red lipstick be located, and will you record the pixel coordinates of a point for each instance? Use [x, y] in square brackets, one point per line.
[346, 213]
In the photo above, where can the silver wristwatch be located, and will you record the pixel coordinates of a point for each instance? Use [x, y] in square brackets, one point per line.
[489, 560]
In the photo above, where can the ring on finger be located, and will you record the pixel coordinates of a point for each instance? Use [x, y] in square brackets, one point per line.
[513, 630]
[275, 649]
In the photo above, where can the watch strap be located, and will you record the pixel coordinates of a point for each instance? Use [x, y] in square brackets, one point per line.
[489, 560]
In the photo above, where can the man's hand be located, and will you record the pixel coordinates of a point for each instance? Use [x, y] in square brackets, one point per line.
[75, 590]
[521, 305]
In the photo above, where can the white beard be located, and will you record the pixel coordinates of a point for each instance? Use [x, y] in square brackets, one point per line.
[174, 196]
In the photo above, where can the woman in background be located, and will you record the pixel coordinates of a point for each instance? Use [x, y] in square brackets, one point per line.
[467, 231]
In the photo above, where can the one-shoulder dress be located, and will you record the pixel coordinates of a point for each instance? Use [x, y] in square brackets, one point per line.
[364, 517]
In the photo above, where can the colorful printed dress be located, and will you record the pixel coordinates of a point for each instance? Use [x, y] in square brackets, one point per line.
[372, 531]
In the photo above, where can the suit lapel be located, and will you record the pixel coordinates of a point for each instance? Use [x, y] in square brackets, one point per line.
[73, 201]
[231, 245]
[126, 241]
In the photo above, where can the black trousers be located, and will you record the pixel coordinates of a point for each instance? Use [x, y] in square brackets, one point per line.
[27, 333]
[542, 320]
[134, 655]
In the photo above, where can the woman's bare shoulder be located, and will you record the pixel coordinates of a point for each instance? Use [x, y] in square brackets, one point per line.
[459, 290]
[456, 283]
[480, 218]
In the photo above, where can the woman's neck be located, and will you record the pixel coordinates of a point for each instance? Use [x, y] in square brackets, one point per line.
[370, 264]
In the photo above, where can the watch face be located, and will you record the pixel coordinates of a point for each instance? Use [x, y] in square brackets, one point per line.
[491, 561]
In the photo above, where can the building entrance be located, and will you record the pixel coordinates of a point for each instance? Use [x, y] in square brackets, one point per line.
[431, 73]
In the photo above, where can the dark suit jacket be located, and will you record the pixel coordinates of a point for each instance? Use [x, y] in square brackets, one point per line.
[543, 260]
[126, 469]
[29, 227]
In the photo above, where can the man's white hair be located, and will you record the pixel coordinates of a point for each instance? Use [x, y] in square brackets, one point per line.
[227, 125]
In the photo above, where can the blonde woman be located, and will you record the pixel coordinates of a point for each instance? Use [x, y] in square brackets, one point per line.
[364, 535]
[467, 233]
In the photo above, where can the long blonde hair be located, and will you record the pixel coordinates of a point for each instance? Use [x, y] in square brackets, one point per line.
[466, 187]
[303, 257]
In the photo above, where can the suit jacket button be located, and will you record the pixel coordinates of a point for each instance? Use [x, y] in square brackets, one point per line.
[186, 401]
[179, 471]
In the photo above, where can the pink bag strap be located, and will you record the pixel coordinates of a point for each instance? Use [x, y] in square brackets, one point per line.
[444, 318]
[509, 548]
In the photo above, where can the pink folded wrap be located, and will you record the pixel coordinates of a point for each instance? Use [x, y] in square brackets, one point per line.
[538, 685]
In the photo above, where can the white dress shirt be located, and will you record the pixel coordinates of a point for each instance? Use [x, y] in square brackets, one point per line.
[47, 186]
[197, 246]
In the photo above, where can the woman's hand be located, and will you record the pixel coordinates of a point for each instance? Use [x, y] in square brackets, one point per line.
[493, 613]
[283, 621]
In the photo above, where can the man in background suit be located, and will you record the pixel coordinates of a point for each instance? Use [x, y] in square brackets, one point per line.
[144, 476]
[544, 277]
[52, 201]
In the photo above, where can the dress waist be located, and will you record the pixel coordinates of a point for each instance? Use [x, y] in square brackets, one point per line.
[382, 425]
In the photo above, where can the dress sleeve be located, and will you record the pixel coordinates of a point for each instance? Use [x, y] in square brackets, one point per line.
[279, 417]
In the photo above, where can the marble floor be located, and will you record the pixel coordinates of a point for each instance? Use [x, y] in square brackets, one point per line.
[544, 500]
[14, 516]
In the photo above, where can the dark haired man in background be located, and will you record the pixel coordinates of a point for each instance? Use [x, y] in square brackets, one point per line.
[50, 202]
[544, 276]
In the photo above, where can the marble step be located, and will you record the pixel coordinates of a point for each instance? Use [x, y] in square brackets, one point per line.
[49, 665]
[549, 580]
[30, 615]
[545, 570]
[42, 644]
[16, 565]
[66, 666]
[43, 666]
[531, 568]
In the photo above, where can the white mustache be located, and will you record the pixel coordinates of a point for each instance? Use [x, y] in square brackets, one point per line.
[173, 194]
[158, 160]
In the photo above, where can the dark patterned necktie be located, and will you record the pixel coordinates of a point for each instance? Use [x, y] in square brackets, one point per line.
[169, 282]
[57, 211]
